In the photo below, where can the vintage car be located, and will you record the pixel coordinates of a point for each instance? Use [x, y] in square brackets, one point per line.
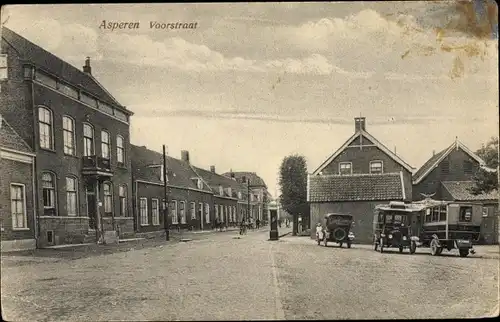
[449, 225]
[338, 229]
[392, 229]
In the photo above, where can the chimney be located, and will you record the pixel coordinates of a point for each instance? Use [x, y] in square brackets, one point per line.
[231, 173]
[359, 124]
[433, 152]
[185, 156]
[86, 68]
[212, 168]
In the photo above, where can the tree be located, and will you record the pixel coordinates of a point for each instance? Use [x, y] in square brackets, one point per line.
[293, 183]
[486, 179]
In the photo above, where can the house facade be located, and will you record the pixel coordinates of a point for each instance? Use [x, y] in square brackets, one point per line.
[359, 175]
[190, 199]
[448, 175]
[81, 137]
[17, 208]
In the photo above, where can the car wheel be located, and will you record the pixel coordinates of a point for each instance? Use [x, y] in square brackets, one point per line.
[434, 247]
[401, 249]
[413, 247]
[439, 250]
[463, 252]
[381, 245]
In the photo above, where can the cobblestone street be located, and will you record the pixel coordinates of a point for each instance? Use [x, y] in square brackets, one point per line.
[221, 277]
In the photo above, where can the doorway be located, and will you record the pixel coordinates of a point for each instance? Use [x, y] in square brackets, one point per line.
[91, 206]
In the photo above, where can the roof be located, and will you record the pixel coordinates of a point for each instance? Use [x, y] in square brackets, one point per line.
[460, 191]
[371, 138]
[53, 64]
[436, 159]
[255, 180]
[356, 187]
[179, 173]
[10, 139]
[215, 180]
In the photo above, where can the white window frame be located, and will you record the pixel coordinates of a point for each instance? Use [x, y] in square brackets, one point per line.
[240, 195]
[200, 210]
[54, 192]
[345, 163]
[216, 211]
[143, 216]
[221, 211]
[122, 198]
[4, 68]
[108, 197]
[221, 190]
[234, 214]
[155, 216]
[120, 150]
[173, 212]
[86, 138]
[207, 213]
[51, 129]
[69, 148]
[486, 211]
[106, 144]
[192, 209]
[381, 166]
[75, 192]
[183, 212]
[23, 203]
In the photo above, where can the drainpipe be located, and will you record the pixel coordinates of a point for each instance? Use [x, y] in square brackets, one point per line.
[36, 214]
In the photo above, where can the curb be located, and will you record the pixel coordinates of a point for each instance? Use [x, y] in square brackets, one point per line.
[288, 233]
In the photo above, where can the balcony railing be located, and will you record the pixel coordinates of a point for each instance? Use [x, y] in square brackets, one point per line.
[96, 163]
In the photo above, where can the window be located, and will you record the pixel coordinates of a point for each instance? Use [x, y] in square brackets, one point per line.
[71, 194]
[376, 167]
[18, 206]
[155, 212]
[222, 219]
[45, 128]
[69, 135]
[120, 150]
[200, 211]
[467, 167]
[120, 115]
[485, 211]
[143, 210]
[173, 211]
[105, 145]
[442, 213]
[183, 212]
[28, 72]
[87, 99]
[68, 90]
[106, 108]
[207, 213]
[234, 213]
[221, 190]
[445, 167]
[122, 195]
[193, 210]
[345, 168]
[3, 67]
[88, 140]
[230, 213]
[46, 79]
[239, 195]
[108, 198]
[216, 211]
[465, 214]
[49, 194]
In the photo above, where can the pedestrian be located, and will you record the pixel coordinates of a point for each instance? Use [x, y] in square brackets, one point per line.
[257, 222]
[279, 223]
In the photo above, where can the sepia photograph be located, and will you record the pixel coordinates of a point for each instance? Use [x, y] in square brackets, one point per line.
[241, 161]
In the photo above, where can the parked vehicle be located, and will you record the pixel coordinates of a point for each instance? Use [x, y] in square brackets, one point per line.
[429, 223]
[338, 229]
[392, 229]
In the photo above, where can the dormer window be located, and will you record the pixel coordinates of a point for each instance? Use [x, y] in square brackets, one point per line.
[229, 192]
[3, 67]
[221, 190]
[199, 184]
[239, 195]
[376, 166]
[345, 168]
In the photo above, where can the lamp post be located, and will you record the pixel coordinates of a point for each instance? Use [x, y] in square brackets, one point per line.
[165, 188]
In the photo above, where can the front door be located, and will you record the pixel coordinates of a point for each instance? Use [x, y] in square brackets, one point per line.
[91, 207]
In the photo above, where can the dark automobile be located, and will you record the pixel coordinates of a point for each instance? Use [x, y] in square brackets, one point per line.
[338, 229]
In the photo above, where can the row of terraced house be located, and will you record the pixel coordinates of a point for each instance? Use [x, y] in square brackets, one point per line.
[68, 169]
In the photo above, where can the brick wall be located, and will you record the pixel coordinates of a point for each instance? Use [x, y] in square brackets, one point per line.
[65, 230]
[15, 172]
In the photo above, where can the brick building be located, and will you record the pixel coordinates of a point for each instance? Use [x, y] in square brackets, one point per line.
[359, 175]
[80, 135]
[448, 175]
[17, 161]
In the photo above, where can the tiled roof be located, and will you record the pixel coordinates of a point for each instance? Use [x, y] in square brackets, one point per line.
[10, 139]
[215, 180]
[357, 187]
[179, 172]
[255, 180]
[53, 64]
[459, 190]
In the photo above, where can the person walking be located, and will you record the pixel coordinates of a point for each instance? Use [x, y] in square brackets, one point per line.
[257, 222]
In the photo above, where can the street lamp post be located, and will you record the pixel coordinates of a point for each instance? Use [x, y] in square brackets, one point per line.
[165, 188]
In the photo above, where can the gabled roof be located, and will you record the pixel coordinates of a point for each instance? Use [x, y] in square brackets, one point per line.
[436, 159]
[41, 58]
[179, 173]
[215, 180]
[10, 139]
[460, 191]
[255, 180]
[368, 136]
[356, 187]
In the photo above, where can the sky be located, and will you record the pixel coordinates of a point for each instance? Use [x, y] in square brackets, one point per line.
[255, 82]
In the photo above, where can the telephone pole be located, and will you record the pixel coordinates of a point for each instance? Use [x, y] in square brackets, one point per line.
[165, 208]
[248, 198]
